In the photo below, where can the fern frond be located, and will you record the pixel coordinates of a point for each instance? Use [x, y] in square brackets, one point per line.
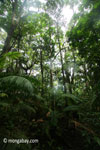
[25, 107]
[72, 108]
[16, 83]
[73, 97]
[4, 104]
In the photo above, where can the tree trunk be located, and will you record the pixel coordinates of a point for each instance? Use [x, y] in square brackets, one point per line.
[51, 75]
[41, 65]
[14, 23]
[62, 66]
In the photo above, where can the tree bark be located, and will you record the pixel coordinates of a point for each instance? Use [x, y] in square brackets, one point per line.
[62, 66]
[41, 65]
[14, 23]
[51, 75]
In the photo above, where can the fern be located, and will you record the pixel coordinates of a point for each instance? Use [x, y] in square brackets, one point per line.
[4, 104]
[26, 108]
[72, 108]
[73, 97]
[16, 83]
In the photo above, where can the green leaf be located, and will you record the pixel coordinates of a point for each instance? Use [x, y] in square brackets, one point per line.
[73, 97]
[97, 139]
[4, 104]
[17, 82]
[3, 95]
[71, 108]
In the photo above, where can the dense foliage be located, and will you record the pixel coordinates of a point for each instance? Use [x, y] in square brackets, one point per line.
[49, 77]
